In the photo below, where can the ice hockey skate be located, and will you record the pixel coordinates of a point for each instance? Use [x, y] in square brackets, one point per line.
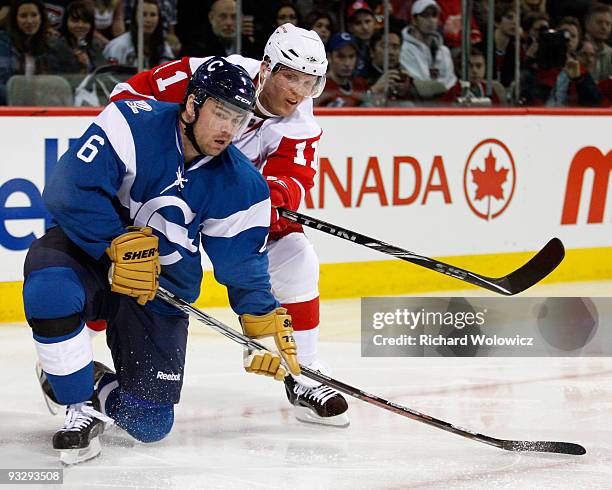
[52, 404]
[317, 405]
[78, 440]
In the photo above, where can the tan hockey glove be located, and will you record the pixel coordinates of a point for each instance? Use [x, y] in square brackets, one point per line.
[274, 331]
[135, 264]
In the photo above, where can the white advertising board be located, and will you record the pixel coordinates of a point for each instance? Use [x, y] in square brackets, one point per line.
[441, 185]
[435, 184]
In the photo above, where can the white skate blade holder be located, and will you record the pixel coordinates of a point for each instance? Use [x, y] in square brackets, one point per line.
[71, 457]
[309, 416]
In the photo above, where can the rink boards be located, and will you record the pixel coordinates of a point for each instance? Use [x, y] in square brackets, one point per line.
[480, 188]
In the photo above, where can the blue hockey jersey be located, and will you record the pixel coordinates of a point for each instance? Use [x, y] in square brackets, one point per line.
[128, 169]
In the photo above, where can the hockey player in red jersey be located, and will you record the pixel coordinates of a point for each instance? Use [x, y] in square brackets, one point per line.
[281, 141]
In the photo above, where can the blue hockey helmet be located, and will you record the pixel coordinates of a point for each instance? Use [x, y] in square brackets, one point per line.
[224, 81]
[226, 86]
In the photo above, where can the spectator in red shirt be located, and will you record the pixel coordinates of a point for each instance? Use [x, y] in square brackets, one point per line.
[401, 11]
[452, 24]
[342, 89]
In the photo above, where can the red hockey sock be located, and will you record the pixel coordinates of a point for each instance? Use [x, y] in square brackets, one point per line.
[305, 315]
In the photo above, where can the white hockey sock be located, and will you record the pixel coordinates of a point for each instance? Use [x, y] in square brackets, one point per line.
[307, 342]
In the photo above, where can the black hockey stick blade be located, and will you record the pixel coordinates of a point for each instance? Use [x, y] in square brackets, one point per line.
[542, 264]
[538, 267]
[544, 447]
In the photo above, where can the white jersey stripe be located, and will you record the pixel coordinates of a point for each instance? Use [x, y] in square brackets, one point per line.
[257, 215]
[172, 231]
[201, 161]
[170, 259]
[121, 139]
[166, 65]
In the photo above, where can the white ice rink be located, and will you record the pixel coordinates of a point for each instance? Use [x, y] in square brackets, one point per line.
[234, 430]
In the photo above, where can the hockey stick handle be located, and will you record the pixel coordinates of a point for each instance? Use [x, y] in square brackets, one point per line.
[542, 446]
[535, 270]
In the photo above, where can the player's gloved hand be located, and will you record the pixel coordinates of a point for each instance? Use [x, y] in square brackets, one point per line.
[274, 331]
[135, 264]
[280, 196]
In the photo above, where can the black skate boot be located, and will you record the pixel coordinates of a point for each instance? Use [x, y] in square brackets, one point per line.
[52, 404]
[78, 440]
[320, 405]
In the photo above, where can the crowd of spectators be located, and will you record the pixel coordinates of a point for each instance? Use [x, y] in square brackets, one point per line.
[564, 51]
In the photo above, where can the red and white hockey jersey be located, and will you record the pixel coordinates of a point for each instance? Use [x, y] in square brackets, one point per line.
[281, 147]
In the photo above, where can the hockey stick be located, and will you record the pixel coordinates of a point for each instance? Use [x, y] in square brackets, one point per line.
[538, 267]
[539, 446]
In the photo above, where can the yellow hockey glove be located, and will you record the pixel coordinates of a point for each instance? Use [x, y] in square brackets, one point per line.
[135, 264]
[273, 331]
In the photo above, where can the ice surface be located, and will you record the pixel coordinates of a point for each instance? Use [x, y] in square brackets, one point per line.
[235, 430]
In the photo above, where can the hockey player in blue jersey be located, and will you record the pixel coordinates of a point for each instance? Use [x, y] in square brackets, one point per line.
[133, 199]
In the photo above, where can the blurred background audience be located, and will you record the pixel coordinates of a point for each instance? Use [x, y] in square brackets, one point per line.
[25, 45]
[109, 20]
[564, 54]
[343, 88]
[122, 49]
[76, 49]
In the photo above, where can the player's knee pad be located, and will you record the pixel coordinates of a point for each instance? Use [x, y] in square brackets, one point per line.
[143, 420]
[54, 299]
[294, 269]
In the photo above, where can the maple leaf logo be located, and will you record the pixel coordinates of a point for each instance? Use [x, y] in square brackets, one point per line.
[489, 188]
[489, 181]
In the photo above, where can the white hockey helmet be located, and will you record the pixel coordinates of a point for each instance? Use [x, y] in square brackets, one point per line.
[299, 49]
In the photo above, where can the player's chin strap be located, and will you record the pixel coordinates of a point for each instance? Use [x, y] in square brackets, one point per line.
[262, 110]
[189, 130]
